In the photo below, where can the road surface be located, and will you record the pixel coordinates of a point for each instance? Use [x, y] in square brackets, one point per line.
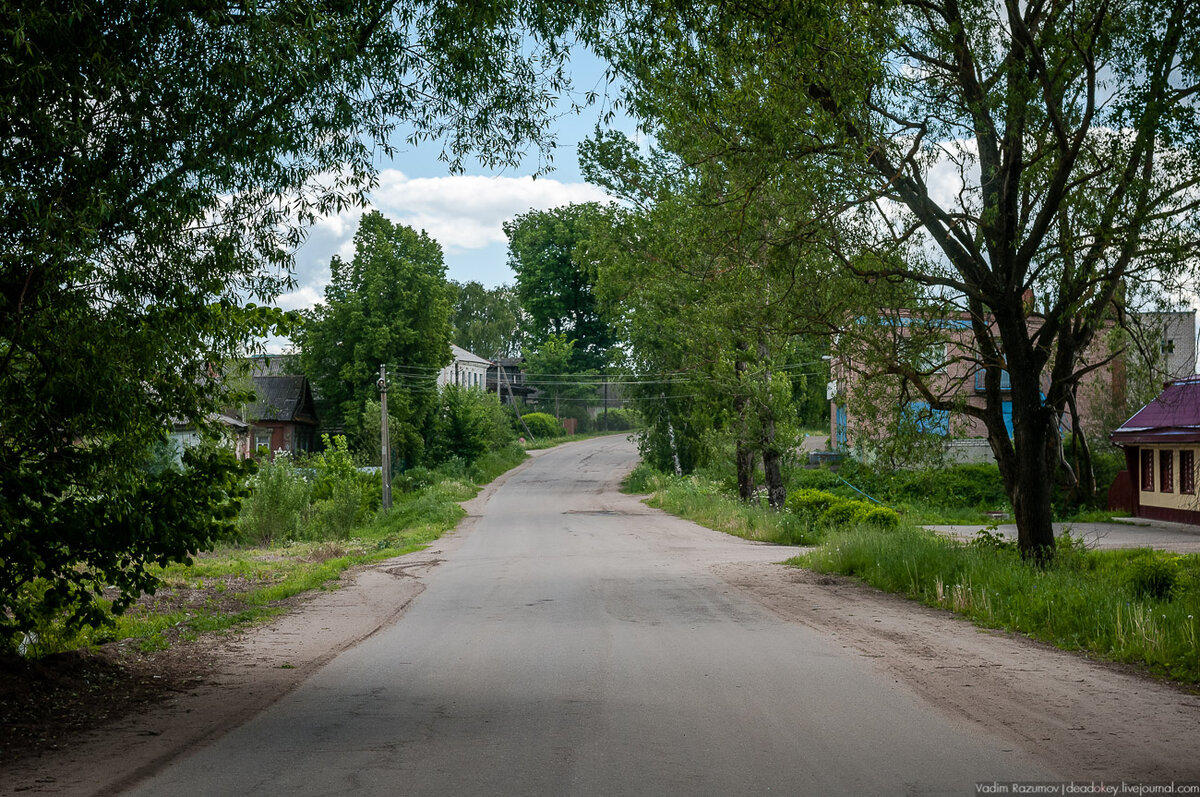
[1125, 533]
[575, 642]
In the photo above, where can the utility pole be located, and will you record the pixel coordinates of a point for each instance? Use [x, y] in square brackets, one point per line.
[385, 441]
[605, 377]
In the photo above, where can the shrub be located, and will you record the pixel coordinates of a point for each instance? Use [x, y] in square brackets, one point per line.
[843, 513]
[542, 425]
[617, 420]
[277, 505]
[810, 502]
[469, 424]
[340, 491]
[1153, 577]
[882, 517]
[642, 479]
[990, 539]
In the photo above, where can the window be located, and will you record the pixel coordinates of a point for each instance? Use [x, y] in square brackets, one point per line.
[1187, 472]
[1005, 381]
[1166, 471]
[925, 419]
[1147, 469]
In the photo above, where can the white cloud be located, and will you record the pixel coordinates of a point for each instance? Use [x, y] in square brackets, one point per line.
[302, 298]
[465, 212]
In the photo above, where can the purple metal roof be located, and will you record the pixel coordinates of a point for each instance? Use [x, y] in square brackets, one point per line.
[1172, 417]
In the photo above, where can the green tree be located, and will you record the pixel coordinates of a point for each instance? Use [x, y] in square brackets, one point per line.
[709, 292]
[158, 164]
[388, 305]
[487, 321]
[555, 282]
[971, 151]
[549, 368]
[469, 424]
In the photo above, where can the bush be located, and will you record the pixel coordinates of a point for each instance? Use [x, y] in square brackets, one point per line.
[642, 479]
[340, 493]
[469, 424]
[843, 513]
[810, 502]
[617, 420]
[543, 425]
[277, 505]
[882, 517]
[1153, 577]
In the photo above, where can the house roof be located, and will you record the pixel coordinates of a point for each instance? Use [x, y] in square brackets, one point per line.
[283, 398]
[461, 355]
[1174, 416]
[236, 424]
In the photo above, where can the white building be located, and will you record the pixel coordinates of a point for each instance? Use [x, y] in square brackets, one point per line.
[467, 370]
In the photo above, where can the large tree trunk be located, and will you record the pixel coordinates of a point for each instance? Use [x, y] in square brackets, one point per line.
[776, 491]
[743, 453]
[1028, 470]
[1029, 460]
[745, 470]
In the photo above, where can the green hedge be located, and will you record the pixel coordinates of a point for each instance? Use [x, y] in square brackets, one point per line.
[541, 425]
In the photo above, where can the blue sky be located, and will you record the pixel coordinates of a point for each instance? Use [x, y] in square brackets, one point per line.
[464, 213]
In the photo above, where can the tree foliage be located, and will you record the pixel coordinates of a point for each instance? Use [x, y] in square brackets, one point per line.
[551, 368]
[487, 321]
[555, 283]
[708, 293]
[390, 305]
[971, 151]
[158, 163]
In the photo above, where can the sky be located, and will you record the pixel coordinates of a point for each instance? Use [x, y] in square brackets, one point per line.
[463, 212]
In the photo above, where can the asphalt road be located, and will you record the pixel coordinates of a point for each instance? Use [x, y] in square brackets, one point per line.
[576, 642]
[1125, 533]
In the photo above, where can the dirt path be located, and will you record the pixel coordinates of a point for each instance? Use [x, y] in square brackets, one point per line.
[1092, 719]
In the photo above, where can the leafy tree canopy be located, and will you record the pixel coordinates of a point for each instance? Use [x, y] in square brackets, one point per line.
[158, 163]
[487, 321]
[555, 281]
[969, 151]
[389, 305]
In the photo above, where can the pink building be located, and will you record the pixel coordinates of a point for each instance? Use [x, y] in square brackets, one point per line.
[863, 405]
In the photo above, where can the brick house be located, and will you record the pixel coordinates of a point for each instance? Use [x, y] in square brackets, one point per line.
[957, 377]
[283, 417]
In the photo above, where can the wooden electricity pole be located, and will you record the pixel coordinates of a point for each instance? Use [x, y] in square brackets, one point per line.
[385, 440]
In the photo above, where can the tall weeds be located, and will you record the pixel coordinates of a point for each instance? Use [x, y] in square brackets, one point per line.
[1087, 600]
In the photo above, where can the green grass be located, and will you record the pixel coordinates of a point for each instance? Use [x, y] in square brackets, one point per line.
[1088, 600]
[702, 500]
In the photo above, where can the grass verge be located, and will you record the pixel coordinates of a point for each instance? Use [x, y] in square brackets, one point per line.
[703, 501]
[1138, 607]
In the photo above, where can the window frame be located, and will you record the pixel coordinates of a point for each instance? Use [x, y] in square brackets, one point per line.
[1147, 465]
[1166, 470]
[1187, 471]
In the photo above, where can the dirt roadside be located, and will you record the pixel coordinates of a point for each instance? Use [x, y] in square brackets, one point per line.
[1094, 719]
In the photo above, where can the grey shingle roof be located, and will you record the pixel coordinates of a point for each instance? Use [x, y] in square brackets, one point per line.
[283, 398]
